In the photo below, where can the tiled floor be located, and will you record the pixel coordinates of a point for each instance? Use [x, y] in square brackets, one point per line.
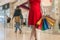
[7, 33]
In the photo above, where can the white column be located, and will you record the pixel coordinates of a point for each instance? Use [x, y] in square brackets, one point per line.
[56, 27]
[11, 14]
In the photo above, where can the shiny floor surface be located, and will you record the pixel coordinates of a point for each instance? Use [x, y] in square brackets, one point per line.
[7, 33]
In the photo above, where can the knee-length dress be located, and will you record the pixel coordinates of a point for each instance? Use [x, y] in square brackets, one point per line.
[34, 11]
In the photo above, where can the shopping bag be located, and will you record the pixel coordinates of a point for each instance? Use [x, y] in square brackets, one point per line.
[45, 25]
[40, 26]
[50, 21]
[39, 22]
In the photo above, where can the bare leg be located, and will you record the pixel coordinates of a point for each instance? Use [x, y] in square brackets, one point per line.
[33, 33]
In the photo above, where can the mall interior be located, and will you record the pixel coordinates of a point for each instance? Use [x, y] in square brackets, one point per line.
[7, 30]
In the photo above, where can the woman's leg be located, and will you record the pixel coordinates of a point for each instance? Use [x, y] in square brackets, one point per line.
[33, 33]
[19, 27]
[16, 27]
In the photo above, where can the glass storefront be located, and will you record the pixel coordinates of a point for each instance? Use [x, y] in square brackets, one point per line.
[4, 14]
[1, 14]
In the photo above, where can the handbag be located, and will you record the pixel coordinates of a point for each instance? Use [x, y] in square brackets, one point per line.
[8, 20]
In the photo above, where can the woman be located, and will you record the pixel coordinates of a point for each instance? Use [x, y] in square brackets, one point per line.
[17, 15]
[34, 15]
